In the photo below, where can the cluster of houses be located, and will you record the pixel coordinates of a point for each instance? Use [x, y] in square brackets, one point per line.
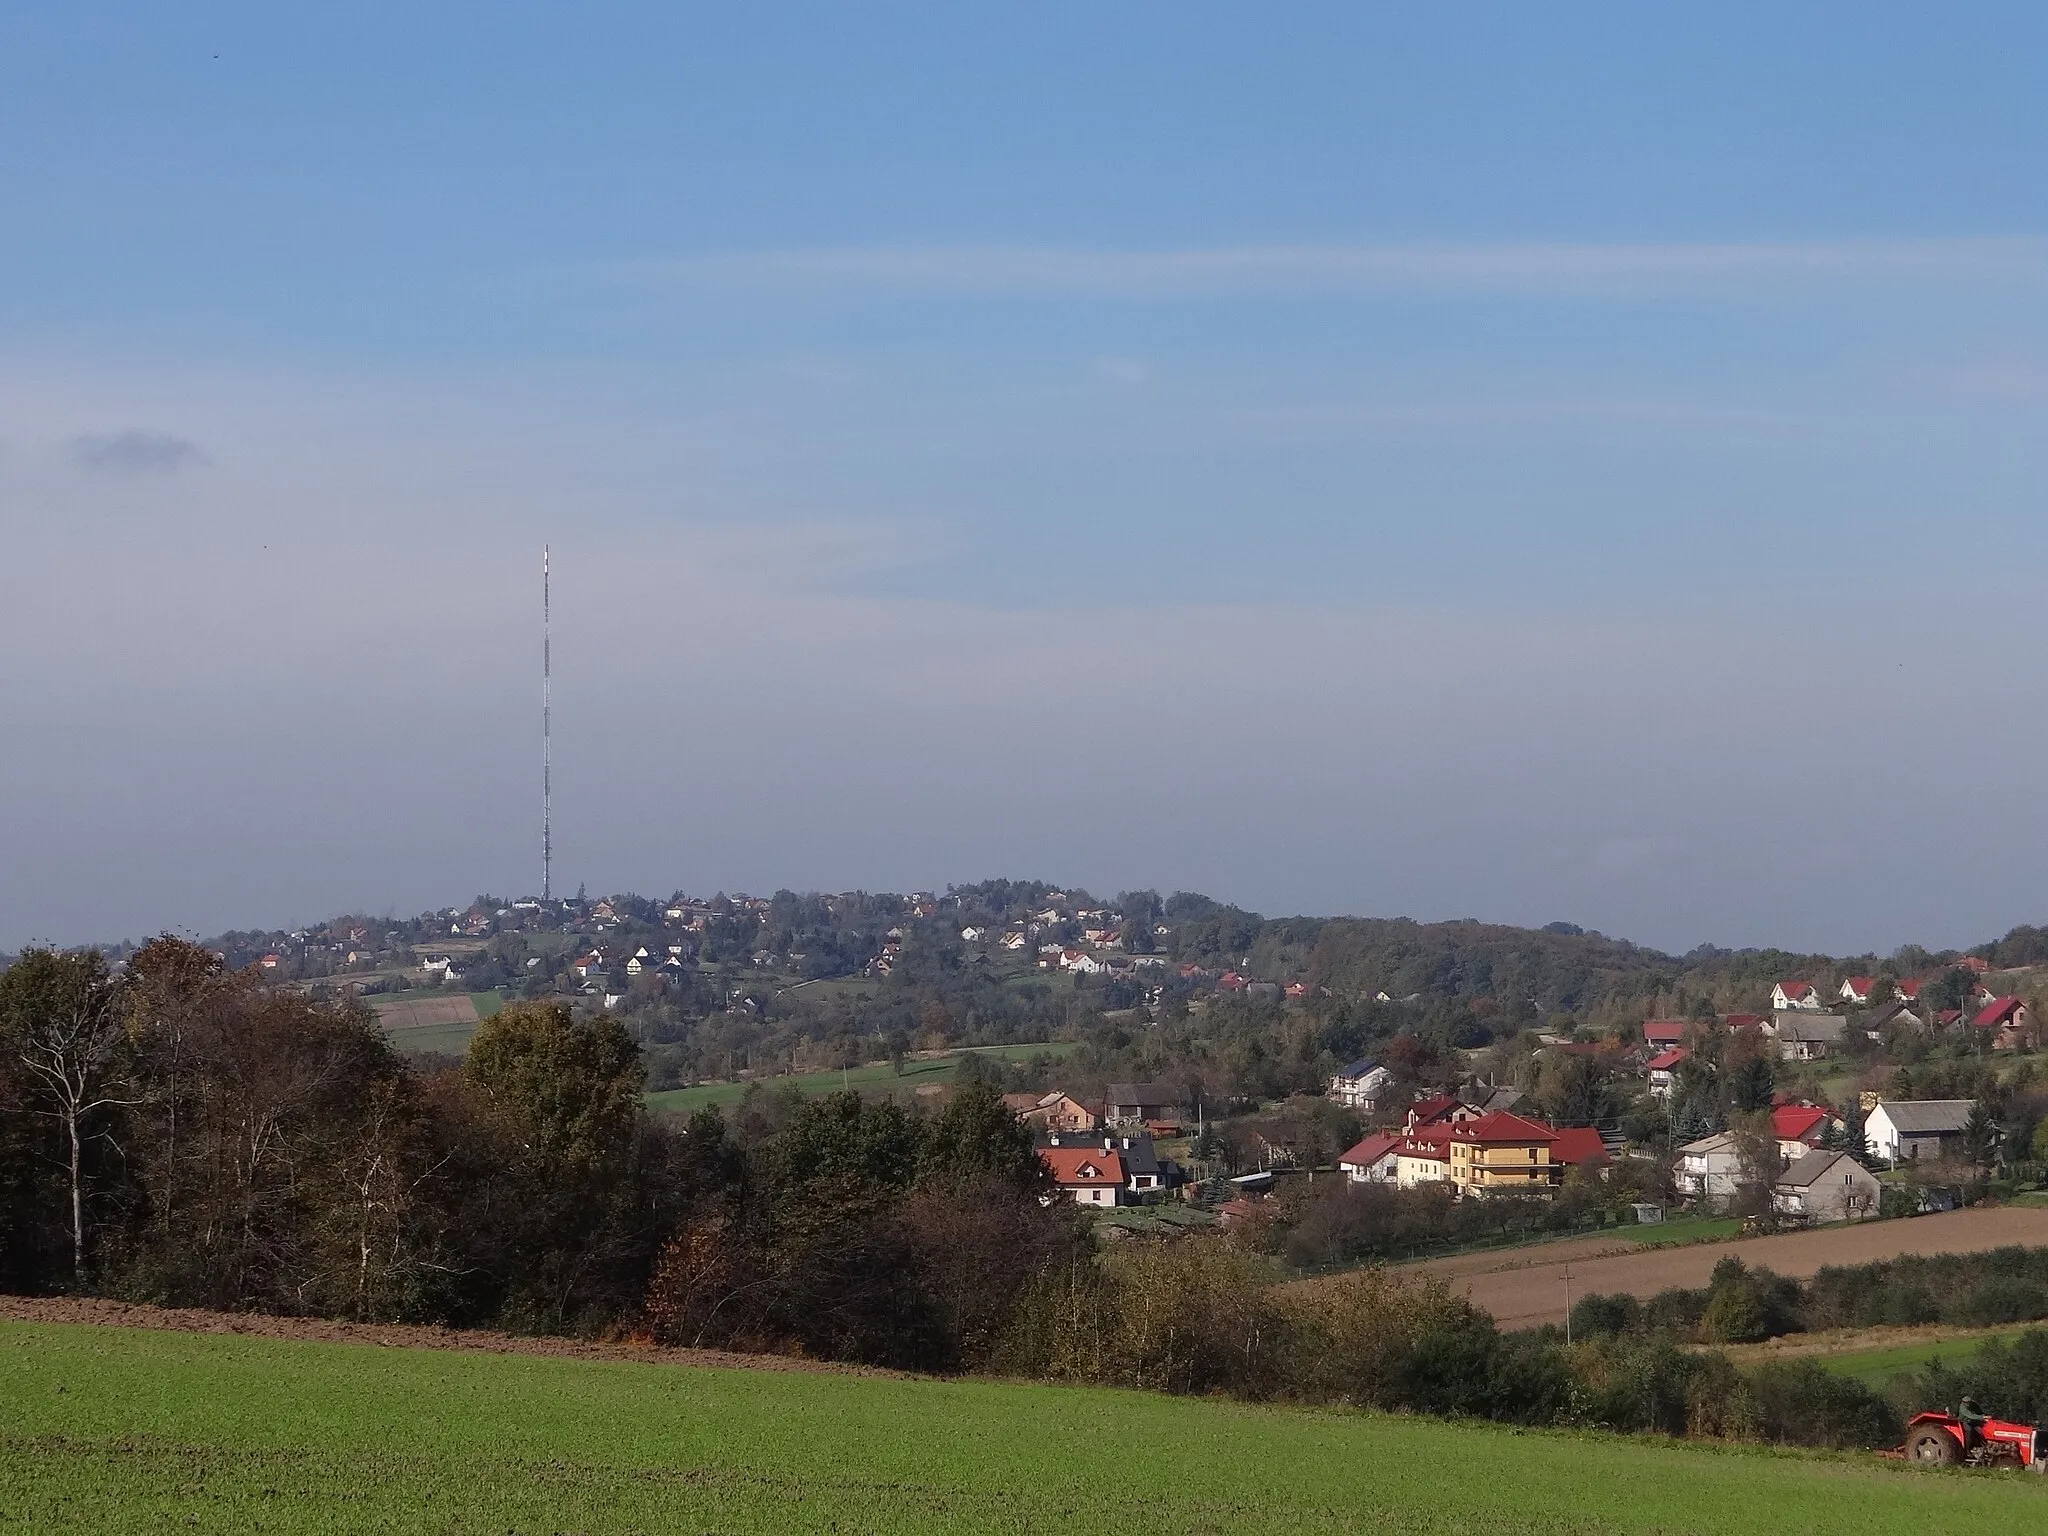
[1812, 1182]
[1104, 1155]
[2005, 1020]
[1474, 1143]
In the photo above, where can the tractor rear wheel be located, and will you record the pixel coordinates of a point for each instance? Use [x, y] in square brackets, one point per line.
[1933, 1447]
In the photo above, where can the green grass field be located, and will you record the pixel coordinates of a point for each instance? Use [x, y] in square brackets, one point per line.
[1875, 1367]
[1684, 1229]
[872, 1079]
[452, 1039]
[109, 1430]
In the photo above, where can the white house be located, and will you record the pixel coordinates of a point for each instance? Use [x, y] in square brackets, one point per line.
[1709, 1170]
[1856, 990]
[1360, 1085]
[1422, 1161]
[1901, 1130]
[1662, 1069]
[1825, 1186]
[1374, 1160]
[1794, 994]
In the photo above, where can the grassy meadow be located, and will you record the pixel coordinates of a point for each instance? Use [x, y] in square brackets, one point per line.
[871, 1079]
[114, 1430]
[1875, 1356]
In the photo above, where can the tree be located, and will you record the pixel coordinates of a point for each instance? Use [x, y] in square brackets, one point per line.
[1980, 1136]
[1750, 1083]
[558, 1212]
[976, 1136]
[62, 1016]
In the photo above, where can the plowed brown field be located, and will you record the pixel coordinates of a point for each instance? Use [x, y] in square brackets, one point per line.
[1526, 1287]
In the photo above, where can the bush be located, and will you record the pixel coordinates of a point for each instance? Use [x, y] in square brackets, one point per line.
[1800, 1402]
[1633, 1384]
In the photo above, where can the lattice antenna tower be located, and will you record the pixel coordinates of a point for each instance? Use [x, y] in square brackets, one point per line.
[547, 737]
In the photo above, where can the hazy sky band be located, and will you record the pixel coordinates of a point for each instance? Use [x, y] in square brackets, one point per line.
[1587, 271]
[1529, 465]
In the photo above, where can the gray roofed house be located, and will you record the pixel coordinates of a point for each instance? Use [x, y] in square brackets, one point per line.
[1487, 1100]
[1877, 1020]
[1360, 1084]
[1128, 1102]
[1807, 1036]
[1709, 1170]
[1901, 1130]
[1825, 1186]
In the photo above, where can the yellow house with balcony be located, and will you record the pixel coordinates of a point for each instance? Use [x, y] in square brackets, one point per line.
[1502, 1154]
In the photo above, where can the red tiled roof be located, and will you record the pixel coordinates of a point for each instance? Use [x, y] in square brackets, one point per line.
[1909, 989]
[1435, 1107]
[1576, 1145]
[1665, 1031]
[1796, 1122]
[1664, 1061]
[1742, 1020]
[1858, 983]
[1083, 1167]
[1795, 988]
[1997, 1012]
[1500, 1125]
[1370, 1150]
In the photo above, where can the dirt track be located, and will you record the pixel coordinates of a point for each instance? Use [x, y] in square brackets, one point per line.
[1527, 1287]
[121, 1314]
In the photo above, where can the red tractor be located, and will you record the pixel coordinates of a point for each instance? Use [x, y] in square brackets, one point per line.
[1946, 1440]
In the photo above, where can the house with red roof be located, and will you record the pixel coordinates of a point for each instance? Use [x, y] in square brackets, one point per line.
[1741, 1020]
[1501, 1152]
[1579, 1146]
[2009, 1021]
[1087, 1175]
[1665, 1031]
[1662, 1069]
[1372, 1161]
[1798, 1128]
[1907, 990]
[1856, 990]
[1422, 1160]
[1438, 1109]
[1794, 994]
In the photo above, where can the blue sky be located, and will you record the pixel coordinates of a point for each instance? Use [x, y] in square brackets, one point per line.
[1477, 462]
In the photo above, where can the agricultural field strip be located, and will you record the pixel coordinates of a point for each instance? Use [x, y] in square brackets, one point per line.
[109, 1429]
[1523, 1290]
[1874, 1356]
[916, 1072]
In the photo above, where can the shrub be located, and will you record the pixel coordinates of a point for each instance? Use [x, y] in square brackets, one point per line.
[1800, 1402]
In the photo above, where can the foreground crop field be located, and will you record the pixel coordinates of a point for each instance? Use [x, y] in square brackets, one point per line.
[119, 1430]
[1526, 1287]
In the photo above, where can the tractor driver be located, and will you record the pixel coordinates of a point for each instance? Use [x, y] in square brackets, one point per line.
[1972, 1419]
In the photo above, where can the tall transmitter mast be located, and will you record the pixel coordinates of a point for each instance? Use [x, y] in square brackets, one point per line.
[547, 739]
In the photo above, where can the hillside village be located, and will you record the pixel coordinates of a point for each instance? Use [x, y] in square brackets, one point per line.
[1194, 1058]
